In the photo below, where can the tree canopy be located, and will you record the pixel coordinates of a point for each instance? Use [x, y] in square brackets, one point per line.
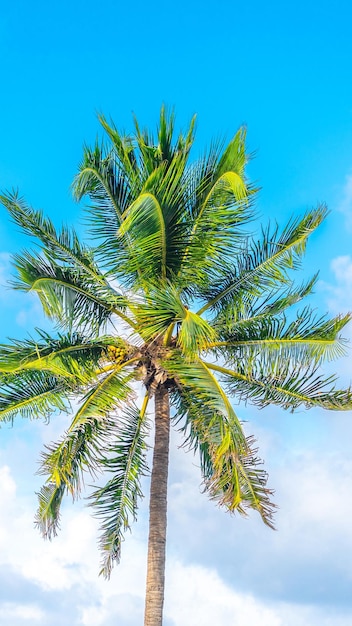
[174, 292]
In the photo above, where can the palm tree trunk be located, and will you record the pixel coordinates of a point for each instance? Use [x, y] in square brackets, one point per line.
[157, 512]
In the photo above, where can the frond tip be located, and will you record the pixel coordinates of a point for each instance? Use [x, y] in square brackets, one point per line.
[233, 474]
[239, 482]
[48, 515]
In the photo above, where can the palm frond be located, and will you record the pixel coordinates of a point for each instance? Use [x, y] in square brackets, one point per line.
[100, 178]
[282, 384]
[249, 307]
[63, 246]
[219, 161]
[163, 307]
[78, 450]
[144, 222]
[72, 356]
[306, 339]
[230, 467]
[195, 333]
[198, 378]
[32, 395]
[47, 518]
[218, 207]
[116, 503]
[264, 264]
[123, 149]
[110, 192]
[66, 295]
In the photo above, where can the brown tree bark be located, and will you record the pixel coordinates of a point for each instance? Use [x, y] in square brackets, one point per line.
[157, 512]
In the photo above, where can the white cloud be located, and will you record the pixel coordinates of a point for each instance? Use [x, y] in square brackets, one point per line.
[10, 611]
[197, 595]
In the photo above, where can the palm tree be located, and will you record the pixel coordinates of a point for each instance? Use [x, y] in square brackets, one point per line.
[175, 295]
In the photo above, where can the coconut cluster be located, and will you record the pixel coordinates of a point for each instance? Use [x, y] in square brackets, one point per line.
[116, 354]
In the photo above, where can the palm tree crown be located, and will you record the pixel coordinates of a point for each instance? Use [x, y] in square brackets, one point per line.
[174, 293]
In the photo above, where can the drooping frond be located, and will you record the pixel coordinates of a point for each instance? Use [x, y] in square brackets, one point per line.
[231, 469]
[197, 377]
[65, 462]
[71, 356]
[74, 358]
[116, 503]
[47, 518]
[79, 451]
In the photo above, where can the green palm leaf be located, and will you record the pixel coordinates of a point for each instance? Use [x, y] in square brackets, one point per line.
[305, 340]
[249, 307]
[265, 263]
[231, 469]
[64, 246]
[116, 503]
[66, 295]
[281, 383]
[79, 451]
[144, 222]
[32, 395]
[73, 357]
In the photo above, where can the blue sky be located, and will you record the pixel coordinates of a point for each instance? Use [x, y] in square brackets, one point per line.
[285, 72]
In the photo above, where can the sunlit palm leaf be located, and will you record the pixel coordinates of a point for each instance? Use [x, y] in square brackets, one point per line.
[65, 463]
[63, 246]
[78, 450]
[144, 222]
[249, 307]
